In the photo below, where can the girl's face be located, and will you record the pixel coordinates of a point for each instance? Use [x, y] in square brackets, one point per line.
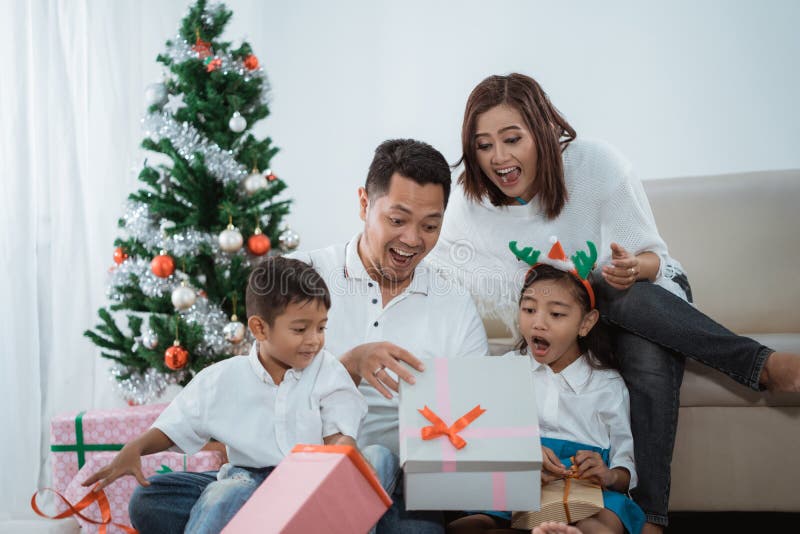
[506, 151]
[551, 319]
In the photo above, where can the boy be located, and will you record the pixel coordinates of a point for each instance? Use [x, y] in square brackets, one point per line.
[284, 392]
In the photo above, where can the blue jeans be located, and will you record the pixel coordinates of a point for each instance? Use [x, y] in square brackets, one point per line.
[397, 520]
[196, 503]
[654, 332]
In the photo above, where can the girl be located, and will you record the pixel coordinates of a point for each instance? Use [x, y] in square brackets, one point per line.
[582, 401]
[527, 176]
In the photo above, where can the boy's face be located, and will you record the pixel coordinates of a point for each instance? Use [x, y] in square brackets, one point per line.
[296, 336]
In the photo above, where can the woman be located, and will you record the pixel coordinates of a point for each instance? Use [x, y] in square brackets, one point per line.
[527, 177]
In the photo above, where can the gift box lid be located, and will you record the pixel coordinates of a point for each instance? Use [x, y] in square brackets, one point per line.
[496, 395]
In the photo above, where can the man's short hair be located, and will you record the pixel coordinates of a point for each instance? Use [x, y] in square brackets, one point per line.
[410, 158]
[277, 282]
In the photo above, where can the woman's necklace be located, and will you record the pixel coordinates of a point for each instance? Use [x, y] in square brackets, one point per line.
[521, 200]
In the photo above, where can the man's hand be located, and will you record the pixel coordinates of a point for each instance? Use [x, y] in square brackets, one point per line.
[371, 361]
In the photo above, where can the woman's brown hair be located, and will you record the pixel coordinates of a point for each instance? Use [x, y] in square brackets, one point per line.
[551, 133]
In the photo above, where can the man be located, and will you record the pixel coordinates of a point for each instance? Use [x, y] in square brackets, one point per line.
[389, 309]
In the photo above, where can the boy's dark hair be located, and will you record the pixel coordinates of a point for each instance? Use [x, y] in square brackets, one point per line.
[597, 340]
[277, 282]
[412, 159]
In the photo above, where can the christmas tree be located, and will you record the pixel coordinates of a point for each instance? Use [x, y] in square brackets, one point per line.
[182, 266]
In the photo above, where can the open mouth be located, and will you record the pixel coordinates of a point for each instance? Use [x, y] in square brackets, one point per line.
[401, 257]
[508, 175]
[539, 346]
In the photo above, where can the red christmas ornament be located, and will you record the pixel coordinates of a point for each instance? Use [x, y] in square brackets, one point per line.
[271, 177]
[251, 62]
[202, 48]
[258, 243]
[162, 265]
[119, 255]
[214, 64]
[176, 357]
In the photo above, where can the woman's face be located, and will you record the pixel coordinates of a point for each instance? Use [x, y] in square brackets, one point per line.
[506, 151]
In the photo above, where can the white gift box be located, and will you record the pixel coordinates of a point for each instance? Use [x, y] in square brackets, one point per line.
[499, 462]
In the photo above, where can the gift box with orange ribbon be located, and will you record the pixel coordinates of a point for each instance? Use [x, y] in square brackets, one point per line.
[317, 488]
[566, 500]
[469, 436]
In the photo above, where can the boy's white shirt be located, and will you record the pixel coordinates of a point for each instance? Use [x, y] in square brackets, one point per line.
[434, 317]
[586, 405]
[237, 403]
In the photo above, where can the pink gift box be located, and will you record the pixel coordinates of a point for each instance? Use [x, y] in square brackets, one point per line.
[77, 436]
[317, 488]
[119, 492]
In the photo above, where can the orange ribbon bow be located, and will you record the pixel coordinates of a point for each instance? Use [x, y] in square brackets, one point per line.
[573, 473]
[98, 496]
[440, 428]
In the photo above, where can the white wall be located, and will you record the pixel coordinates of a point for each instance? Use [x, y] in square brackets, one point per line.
[681, 87]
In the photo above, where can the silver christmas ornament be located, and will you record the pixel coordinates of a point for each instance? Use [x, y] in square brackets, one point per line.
[255, 182]
[150, 339]
[230, 239]
[183, 297]
[234, 331]
[155, 94]
[289, 240]
[237, 123]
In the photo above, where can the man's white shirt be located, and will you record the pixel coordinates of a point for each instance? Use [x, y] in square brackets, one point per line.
[432, 318]
[237, 403]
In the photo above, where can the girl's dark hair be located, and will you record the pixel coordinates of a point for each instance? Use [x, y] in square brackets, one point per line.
[597, 341]
[551, 134]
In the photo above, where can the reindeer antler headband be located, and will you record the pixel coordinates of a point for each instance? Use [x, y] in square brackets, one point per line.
[580, 266]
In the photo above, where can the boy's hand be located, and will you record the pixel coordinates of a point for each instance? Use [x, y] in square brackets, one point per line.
[371, 361]
[592, 467]
[127, 462]
[552, 468]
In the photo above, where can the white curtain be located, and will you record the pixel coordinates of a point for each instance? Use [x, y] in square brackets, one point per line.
[73, 76]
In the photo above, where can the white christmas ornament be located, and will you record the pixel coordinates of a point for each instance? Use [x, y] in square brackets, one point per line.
[183, 297]
[155, 94]
[234, 331]
[150, 339]
[289, 240]
[254, 182]
[237, 122]
[230, 239]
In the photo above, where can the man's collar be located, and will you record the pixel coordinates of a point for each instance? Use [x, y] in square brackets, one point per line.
[575, 374]
[354, 268]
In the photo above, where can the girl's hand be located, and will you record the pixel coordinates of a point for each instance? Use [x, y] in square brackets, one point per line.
[624, 269]
[552, 468]
[592, 467]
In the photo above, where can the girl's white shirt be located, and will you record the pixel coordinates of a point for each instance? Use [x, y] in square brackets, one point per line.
[586, 405]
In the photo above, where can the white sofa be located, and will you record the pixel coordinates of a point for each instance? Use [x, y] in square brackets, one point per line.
[738, 236]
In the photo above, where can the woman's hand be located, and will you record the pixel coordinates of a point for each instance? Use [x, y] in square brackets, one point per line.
[623, 271]
[552, 468]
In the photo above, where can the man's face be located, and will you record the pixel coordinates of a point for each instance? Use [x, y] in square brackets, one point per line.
[400, 228]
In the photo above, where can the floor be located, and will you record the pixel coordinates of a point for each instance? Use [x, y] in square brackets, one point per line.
[729, 523]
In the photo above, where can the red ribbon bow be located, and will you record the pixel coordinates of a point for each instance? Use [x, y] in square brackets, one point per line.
[98, 496]
[440, 428]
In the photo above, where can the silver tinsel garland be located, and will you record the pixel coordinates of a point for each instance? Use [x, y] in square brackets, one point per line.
[187, 140]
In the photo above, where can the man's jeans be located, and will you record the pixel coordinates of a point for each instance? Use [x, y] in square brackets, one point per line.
[197, 503]
[654, 331]
[397, 520]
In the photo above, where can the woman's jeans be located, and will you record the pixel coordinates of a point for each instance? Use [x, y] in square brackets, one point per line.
[397, 520]
[653, 332]
[197, 503]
